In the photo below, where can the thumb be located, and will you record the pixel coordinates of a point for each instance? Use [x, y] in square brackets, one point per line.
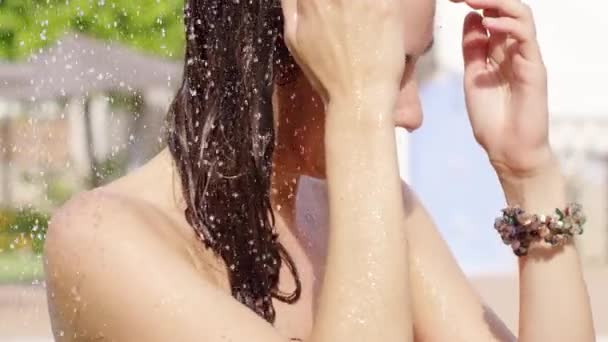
[474, 42]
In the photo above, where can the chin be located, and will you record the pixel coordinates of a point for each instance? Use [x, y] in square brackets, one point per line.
[320, 175]
[319, 172]
[314, 171]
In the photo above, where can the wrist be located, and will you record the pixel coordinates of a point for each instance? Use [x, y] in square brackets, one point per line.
[524, 164]
[541, 190]
[382, 94]
[365, 109]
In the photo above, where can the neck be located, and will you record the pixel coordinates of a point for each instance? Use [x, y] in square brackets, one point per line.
[299, 129]
[168, 173]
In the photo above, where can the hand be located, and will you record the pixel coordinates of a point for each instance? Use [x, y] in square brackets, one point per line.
[506, 86]
[338, 44]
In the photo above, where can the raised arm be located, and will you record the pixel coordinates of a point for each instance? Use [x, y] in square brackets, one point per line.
[446, 307]
[546, 309]
[365, 294]
[506, 95]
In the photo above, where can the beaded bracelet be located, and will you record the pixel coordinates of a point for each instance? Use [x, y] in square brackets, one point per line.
[520, 229]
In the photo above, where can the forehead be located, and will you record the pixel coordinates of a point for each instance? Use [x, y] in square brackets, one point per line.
[419, 21]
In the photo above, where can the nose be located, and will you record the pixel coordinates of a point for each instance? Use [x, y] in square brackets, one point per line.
[408, 110]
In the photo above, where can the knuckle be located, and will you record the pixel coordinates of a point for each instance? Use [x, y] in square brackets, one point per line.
[529, 32]
[527, 10]
[529, 17]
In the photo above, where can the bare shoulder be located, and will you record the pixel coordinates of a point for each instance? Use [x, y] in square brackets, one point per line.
[96, 225]
[88, 210]
[87, 217]
[116, 272]
[102, 246]
[95, 217]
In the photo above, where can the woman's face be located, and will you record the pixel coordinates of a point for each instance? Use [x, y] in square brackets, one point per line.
[301, 121]
[418, 40]
[419, 22]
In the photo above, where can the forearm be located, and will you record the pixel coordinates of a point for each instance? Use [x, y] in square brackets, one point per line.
[445, 306]
[553, 294]
[365, 294]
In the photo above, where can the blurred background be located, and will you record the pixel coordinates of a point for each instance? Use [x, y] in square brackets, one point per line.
[85, 85]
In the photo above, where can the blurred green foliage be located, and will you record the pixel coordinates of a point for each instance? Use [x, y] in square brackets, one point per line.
[22, 229]
[154, 26]
[58, 187]
[131, 102]
[111, 168]
[59, 191]
[18, 267]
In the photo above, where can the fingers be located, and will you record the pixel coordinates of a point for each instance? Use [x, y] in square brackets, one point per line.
[510, 8]
[512, 18]
[522, 33]
[474, 42]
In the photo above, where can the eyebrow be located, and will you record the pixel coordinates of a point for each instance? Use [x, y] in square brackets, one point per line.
[428, 48]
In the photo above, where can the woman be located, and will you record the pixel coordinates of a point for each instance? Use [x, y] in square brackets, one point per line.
[261, 151]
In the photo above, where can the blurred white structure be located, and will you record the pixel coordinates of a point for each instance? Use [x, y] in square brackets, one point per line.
[59, 102]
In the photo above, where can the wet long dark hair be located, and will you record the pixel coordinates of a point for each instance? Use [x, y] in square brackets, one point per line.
[221, 136]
